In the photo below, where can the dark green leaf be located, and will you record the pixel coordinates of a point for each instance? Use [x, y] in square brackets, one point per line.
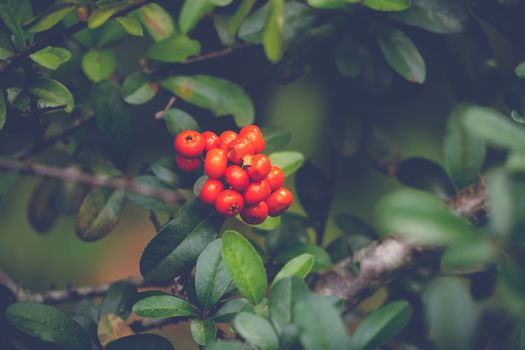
[141, 342]
[52, 93]
[322, 259]
[203, 331]
[352, 225]
[6, 49]
[387, 5]
[158, 23]
[14, 13]
[138, 89]
[111, 327]
[148, 202]
[220, 96]
[102, 14]
[315, 190]
[230, 308]
[517, 117]
[118, 299]
[99, 65]
[288, 161]
[50, 17]
[174, 49]
[283, 296]
[245, 266]
[44, 205]
[161, 306]
[227, 345]
[256, 330]
[346, 135]
[381, 325]
[292, 230]
[131, 25]
[520, 70]
[426, 175]
[7, 180]
[475, 254]
[220, 22]
[273, 30]
[300, 266]
[192, 11]
[275, 138]
[110, 32]
[51, 57]
[382, 151]
[48, 324]
[3, 115]
[178, 120]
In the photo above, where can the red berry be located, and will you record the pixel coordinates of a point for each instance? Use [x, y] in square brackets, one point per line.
[238, 148]
[279, 201]
[229, 203]
[258, 167]
[275, 178]
[187, 164]
[211, 140]
[210, 190]
[256, 214]
[189, 144]
[215, 163]
[237, 178]
[256, 192]
[254, 134]
[227, 137]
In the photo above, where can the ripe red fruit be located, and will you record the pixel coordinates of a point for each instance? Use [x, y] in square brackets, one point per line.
[279, 201]
[189, 144]
[229, 203]
[211, 140]
[210, 190]
[237, 178]
[227, 137]
[238, 148]
[258, 166]
[215, 163]
[256, 192]
[254, 134]
[256, 214]
[187, 164]
[275, 178]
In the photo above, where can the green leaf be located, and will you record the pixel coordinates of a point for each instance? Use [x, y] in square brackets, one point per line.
[137, 89]
[352, 225]
[383, 151]
[464, 152]
[438, 16]
[321, 258]
[44, 205]
[426, 175]
[220, 96]
[118, 298]
[350, 59]
[211, 276]
[520, 70]
[387, 5]
[48, 324]
[275, 138]
[141, 342]
[230, 308]
[235, 21]
[421, 217]
[381, 325]
[109, 33]
[284, 294]
[203, 331]
[320, 326]
[52, 93]
[158, 22]
[315, 191]
[514, 164]
[192, 11]
[99, 213]
[3, 115]
[50, 17]
[273, 30]
[517, 117]
[270, 223]
[475, 254]
[6, 49]
[110, 328]
[256, 330]
[178, 120]
[300, 266]
[502, 201]
[174, 49]
[179, 243]
[291, 231]
[131, 25]
[288, 161]
[99, 65]
[147, 202]
[160, 306]
[51, 57]
[401, 53]
[102, 14]
[245, 266]
[14, 13]
[227, 345]
[330, 4]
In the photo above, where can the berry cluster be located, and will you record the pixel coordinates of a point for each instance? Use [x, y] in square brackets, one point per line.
[240, 178]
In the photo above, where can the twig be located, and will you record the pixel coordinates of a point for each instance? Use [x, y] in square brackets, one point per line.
[215, 54]
[155, 220]
[74, 175]
[160, 114]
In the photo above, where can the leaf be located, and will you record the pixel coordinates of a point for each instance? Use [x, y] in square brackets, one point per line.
[275, 138]
[141, 342]
[110, 328]
[291, 231]
[99, 65]
[269, 224]
[352, 225]
[148, 202]
[109, 33]
[137, 89]
[229, 309]
[48, 324]
[6, 49]
[102, 14]
[300, 266]
[330, 4]
[160, 306]
[220, 96]
[321, 257]
[381, 325]
[203, 331]
[514, 164]
[7, 180]
[192, 11]
[227, 345]
[421, 217]
[52, 93]
[426, 175]
[99, 213]
[178, 120]
[235, 21]
[256, 330]
[520, 70]
[3, 115]
[14, 13]
[387, 5]
[50, 17]
[320, 326]
[158, 22]
[174, 49]
[517, 117]
[284, 294]
[437, 16]
[315, 191]
[288, 161]
[179, 243]
[471, 255]
[382, 151]
[502, 202]
[51, 57]
[118, 298]
[401, 53]
[44, 205]
[273, 31]
[244, 265]
[131, 25]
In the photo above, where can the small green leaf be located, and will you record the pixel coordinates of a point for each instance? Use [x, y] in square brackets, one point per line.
[273, 31]
[3, 115]
[426, 175]
[203, 331]
[52, 93]
[14, 13]
[44, 205]
[381, 325]
[330, 4]
[387, 5]
[230, 308]
[288, 161]
[220, 96]
[235, 21]
[321, 258]
[178, 120]
[160, 306]
[245, 266]
[6, 49]
[502, 201]
[48, 324]
[514, 164]
[118, 298]
[158, 22]
[109, 33]
[520, 70]
[300, 266]
[131, 25]
[137, 89]
[270, 223]
[256, 330]
[143, 341]
[283, 296]
[227, 345]
[50, 17]
[275, 138]
[192, 11]
[517, 117]
[475, 254]
[103, 14]
[174, 49]
[51, 57]
[110, 328]
[99, 64]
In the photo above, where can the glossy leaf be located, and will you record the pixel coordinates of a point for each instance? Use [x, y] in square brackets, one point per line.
[288, 161]
[143, 341]
[275, 138]
[192, 11]
[110, 328]
[220, 96]
[426, 175]
[102, 14]
[131, 25]
[49, 17]
[99, 65]
[158, 22]
[321, 261]
[284, 294]
[256, 330]
[51, 57]
[300, 267]
[138, 89]
[52, 93]
[118, 298]
[174, 49]
[160, 306]
[273, 30]
[203, 331]
[244, 265]
[387, 5]
[230, 308]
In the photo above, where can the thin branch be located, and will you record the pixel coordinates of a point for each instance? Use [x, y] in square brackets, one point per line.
[74, 175]
[154, 220]
[160, 114]
[215, 54]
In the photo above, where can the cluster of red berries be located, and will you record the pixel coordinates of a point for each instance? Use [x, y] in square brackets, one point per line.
[241, 180]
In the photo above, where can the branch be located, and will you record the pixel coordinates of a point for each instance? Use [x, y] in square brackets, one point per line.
[215, 54]
[357, 277]
[74, 175]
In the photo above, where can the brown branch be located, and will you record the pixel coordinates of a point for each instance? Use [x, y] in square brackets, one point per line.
[74, 175]
[357, 277]
[215, 54]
